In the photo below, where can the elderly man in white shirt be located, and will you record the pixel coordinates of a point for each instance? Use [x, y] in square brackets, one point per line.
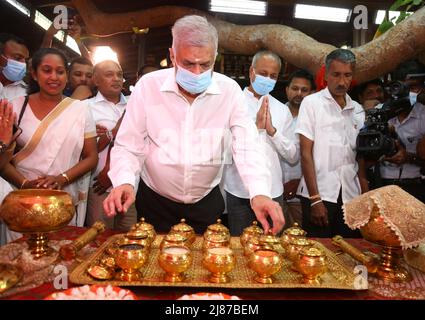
[14, 54]
[179, 124]
[273, 121]
[328, 125]
[300, 85]
[107, 108]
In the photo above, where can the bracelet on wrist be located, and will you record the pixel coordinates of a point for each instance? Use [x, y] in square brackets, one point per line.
[66, 177]
[315, 197]
[316, 202]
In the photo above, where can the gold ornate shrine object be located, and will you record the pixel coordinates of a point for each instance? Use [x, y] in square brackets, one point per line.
[37, 212]
[184, 229]
[217, 228]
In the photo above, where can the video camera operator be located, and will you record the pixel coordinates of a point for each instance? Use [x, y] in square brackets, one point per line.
[403, 168]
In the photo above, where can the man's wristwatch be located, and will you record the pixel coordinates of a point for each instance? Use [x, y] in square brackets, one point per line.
[3, 147]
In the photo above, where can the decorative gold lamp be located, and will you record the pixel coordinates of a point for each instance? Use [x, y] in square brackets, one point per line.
[391, 218]
[37, 212]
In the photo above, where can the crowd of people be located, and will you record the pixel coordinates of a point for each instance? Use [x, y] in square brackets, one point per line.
[191, 143]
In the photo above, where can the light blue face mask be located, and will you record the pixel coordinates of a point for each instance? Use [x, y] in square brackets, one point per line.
[14, 70]
[263, 85]
[191, 82]
[412, 97]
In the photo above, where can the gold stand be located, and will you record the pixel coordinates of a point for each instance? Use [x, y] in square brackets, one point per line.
[219, 277]
[129, 275]
[389, 267]
[38, 244]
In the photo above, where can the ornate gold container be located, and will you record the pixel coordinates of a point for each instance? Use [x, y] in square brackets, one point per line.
[311, 264]
[146, 227]
[216, 240]
[138, 236]
[184, 229]
[130, 257]
[272, 241]
[249, 232]
[174, 261]
[295, 246]
[293, 232]
[219, 261]
[172, 240]
[217, 228]
[266, 263]
[37, 212]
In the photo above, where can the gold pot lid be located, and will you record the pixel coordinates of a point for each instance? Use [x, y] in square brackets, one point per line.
[218, 227]
[182, 227]
[295, 230]
[143, 225]
[300, 241]
[175, 237]
[312, 252]
[137, 233]
[216, 237]
[254, 228]
[269, 238]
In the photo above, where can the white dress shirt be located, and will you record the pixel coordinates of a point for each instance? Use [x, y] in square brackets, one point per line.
[279, 145]
[334, 132]
[291, 171]
[107, 114]
[409, 131]
[14, 90]
[181, 147]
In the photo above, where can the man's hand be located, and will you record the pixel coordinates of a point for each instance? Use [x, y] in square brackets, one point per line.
[269, 125]
[265, 207]
[319, 215]
[102, 182]
[119, 200]
[370, 104]
[400, 157]
[262, 114]
[100, 130]
[7, 118]
[290, 189]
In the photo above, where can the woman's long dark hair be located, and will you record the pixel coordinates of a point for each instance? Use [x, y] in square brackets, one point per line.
[38, 56]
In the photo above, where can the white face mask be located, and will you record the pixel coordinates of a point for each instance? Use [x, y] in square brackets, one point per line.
[14, 70]
[412, 97]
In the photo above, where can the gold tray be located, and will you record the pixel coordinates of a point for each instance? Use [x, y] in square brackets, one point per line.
[338, 276]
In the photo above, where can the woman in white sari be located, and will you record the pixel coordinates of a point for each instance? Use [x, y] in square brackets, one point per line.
[57, 146]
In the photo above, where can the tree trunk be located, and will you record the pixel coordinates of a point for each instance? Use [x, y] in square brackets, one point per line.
[404, 41]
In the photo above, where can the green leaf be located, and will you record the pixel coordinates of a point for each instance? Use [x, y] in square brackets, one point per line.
[384, 26]
[417, 2]
[400, 3]
[401, 17]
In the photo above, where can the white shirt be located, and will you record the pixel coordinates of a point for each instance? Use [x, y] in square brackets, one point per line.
[107, 114]
[278, 145]
[14, 90]
[409, 131]
[181, 147]
[291, 171]
[334, 132]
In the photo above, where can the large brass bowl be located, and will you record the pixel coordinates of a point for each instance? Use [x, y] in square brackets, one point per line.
[37, 211]
[377, 231]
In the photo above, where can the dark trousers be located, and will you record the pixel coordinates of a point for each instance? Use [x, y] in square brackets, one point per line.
[163, 213]
[336, 224]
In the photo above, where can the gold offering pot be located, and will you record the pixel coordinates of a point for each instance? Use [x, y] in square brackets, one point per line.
[253, 231]
[266, 263]
[215, 240]
[219, 261]
[295, 246]
[184, 229]
[138, 236]
[37, 212]
[272, 241]
[311, 264]
[174, 261]
[146, 227]
[172, 240]
[130, 257]
[293, 232]
[217, 228]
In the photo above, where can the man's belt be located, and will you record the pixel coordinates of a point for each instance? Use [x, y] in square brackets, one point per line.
[402, 181]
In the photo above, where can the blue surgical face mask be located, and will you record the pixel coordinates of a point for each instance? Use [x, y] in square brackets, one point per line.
[412, 97]
[191, 82]
[263, 85]
[14, 70]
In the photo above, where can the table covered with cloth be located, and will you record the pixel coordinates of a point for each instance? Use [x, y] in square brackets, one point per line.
[38, 285]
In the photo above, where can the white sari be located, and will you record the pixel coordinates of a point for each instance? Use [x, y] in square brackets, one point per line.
[56, 145]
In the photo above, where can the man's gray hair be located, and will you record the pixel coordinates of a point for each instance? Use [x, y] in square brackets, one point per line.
[343, 55]
[194, 31]
[266, 53]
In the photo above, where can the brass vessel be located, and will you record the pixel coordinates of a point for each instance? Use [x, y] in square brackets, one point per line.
[266, 263]
[130, 257]
[146, 227]
[10, 275]
[293, 232]
[37, 212]
[254, 244]
[311, 264]
[216, 240]
[138, 236]
[172, 240]
[272, 241]
[184, 229]
[174, 261]
[295, 246]
[249, 232]
[217, 228]
[219, 261]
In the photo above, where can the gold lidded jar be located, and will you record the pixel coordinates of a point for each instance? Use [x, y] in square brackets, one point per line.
[217, 228]
[138, 236]
[254, 244]
[147, 227]
[311, 264]
[271, 240]
[219, 261]
[175, 260]
[173, 239]
[249, 232]
[186, 230]
[295, 246]
[215, 240]
[293, 232]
